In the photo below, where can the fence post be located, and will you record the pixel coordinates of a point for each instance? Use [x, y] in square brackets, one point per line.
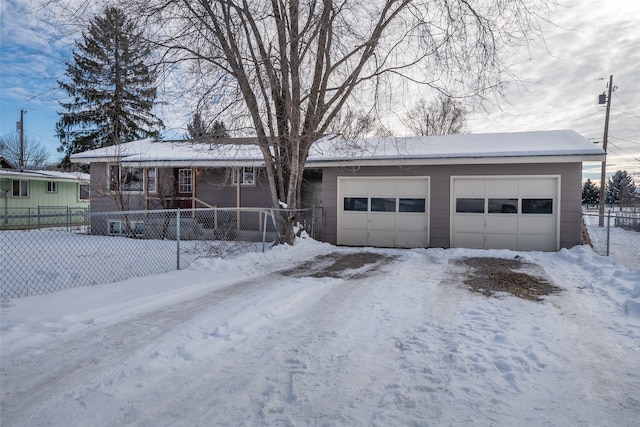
[608, 231]
[264, 231]
[313, 222]
[178, 239]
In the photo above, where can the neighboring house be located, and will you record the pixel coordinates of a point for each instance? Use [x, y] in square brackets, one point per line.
[506, 190]
[46, 194]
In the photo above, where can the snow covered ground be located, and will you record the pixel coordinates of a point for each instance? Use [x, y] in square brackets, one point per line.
[256, 340]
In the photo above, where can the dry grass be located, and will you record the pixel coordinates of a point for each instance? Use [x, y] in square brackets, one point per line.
[492, 275]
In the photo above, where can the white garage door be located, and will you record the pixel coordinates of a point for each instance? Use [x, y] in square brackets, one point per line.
[520, 213]
[384, 212]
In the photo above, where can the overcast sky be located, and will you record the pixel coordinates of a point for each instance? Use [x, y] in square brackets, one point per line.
[558, 88]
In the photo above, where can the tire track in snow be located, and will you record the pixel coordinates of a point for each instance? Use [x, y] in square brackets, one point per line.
[35, 376]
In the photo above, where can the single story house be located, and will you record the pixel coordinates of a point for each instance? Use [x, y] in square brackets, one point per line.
[517, 191]
[31, 198]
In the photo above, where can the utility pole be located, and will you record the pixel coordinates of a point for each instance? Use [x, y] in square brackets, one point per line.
[603, 174]
[20, 126]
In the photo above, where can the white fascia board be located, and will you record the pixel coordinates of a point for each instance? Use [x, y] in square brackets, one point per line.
[194, 163]
[456, 161]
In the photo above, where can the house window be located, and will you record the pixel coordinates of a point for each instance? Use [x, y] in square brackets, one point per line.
[537, 206]
[357, 204]
[383, 204]
[83, 192]
[412, 205]
[247, 176]
[184, 181]
[20, 188]
[503, 205]
[117, 227]
[151, 176]
[469, 205]
[52, 187]
[130, 179]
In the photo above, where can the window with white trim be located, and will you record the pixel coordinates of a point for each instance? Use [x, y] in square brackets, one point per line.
[20, 188]
[52, 187]
[83, 192]
[117, 227]
[247, 176]
[185, 183]
[151, 176]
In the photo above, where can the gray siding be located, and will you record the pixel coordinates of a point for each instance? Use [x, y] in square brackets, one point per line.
[570, 197]
[215, 186]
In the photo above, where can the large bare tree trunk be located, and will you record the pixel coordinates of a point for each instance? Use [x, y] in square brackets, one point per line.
[294, 65]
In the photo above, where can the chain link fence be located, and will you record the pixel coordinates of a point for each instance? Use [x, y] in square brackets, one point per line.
[618, 237]
[42, 216]
[99, 248]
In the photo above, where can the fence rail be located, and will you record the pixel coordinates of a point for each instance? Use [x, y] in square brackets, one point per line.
[101, 248]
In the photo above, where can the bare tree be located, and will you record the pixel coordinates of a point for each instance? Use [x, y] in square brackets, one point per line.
[443, 116]
[294, 65]
[35, 155]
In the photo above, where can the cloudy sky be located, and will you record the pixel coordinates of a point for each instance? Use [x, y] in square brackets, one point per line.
[558, 86]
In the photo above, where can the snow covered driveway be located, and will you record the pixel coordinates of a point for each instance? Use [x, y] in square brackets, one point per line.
[277, 339]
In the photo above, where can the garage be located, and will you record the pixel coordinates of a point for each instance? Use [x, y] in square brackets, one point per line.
[506, 212]
[383, 211]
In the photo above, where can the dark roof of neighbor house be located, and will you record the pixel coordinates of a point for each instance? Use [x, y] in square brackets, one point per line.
[516, 147]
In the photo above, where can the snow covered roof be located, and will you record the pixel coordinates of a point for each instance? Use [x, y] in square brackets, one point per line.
[45, 175]
[517, 147]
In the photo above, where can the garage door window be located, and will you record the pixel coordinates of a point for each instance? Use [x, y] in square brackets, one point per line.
[358, 204]
[412, 205]
[503, 205]
[537, 206]
[469, 205]
[383, 204]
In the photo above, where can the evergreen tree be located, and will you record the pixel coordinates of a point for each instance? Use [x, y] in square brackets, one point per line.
[620, 189]
[219, 130]
[110, 87]
[590, 193]
[198, 129]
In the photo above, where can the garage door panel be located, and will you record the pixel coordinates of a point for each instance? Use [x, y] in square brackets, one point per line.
[537, 242]
[355, 220]
[468, 240]
[409, 222]
[411, 239]
[410, 188]
[355, 187]
[501, 241]
[537, 187]
[535, 224]
[382, 221]
[469, 187]
[382, 237]
[354, 237]
[469, 223]
[501, 224]
[501, 187]
[384, 188]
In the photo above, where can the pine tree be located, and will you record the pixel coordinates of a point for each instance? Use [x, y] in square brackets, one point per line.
[110, 87]
[620, 189]
[198, 129]
[590, 193]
